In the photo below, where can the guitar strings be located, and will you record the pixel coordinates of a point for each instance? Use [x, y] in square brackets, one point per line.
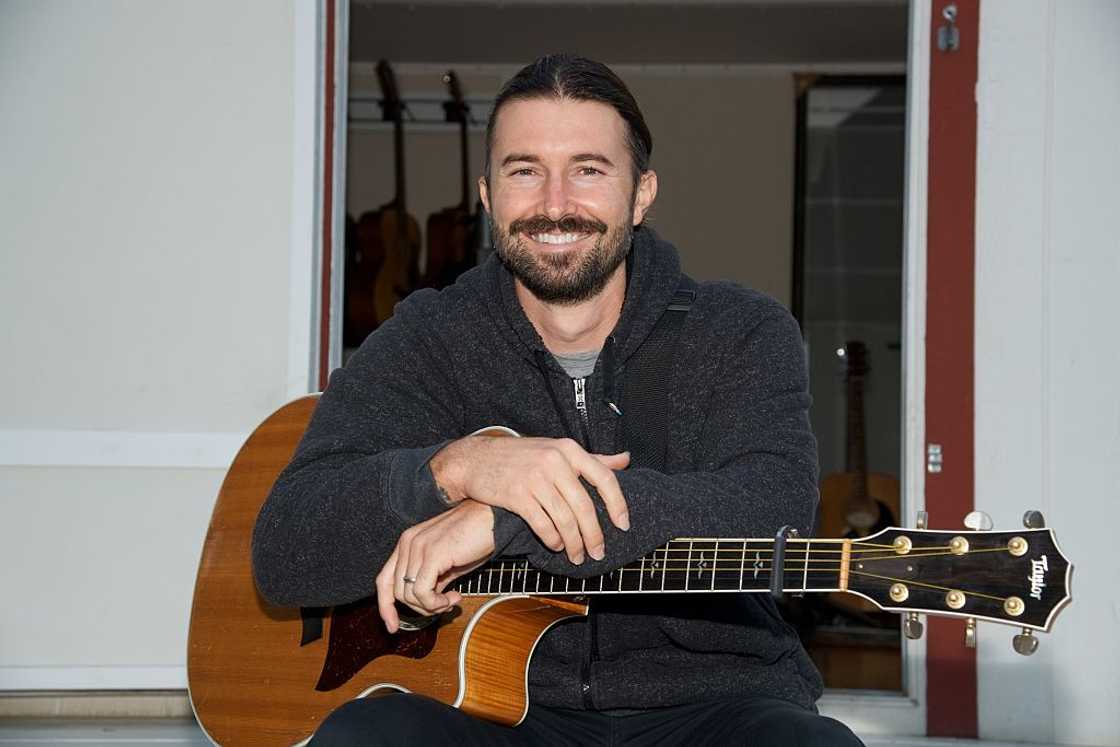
[796, 565]
[729, 562]
[909, 582]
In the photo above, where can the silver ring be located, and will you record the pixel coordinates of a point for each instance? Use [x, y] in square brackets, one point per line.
[408, 579]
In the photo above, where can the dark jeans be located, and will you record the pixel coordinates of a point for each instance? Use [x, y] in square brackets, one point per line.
[412, 719]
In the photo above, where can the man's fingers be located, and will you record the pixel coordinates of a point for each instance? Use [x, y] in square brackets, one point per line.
[595, 470]
[562, 517]
[584, 510]
[385, 595]
[424, 588]
[542, 525]
[620, 460]
[404, 557]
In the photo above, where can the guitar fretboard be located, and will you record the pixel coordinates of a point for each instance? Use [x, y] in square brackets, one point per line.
[681, 565]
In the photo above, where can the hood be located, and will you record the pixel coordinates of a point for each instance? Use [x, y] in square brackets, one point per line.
[653, 274]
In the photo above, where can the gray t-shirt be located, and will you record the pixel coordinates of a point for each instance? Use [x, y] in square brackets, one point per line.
[578, 365]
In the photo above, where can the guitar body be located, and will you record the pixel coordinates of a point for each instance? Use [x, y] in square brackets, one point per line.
[364, 257]
[837, 488]
[837, 491]
[398, 274]
[449, 233]
[254, 679]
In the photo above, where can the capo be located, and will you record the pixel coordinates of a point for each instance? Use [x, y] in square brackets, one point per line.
[778, 567]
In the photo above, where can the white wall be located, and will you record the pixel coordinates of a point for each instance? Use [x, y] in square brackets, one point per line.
[1047, 404]
[146, 234]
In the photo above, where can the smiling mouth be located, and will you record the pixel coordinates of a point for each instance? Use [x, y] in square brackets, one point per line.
[558, 239]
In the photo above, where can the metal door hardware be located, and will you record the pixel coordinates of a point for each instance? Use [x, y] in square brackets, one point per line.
[949, 36]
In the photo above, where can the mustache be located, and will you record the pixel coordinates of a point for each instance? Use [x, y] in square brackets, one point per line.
[567, 224]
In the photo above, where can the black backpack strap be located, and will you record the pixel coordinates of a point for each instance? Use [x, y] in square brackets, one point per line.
[646, 386]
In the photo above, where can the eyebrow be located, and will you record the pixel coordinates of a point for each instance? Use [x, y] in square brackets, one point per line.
[578, 158]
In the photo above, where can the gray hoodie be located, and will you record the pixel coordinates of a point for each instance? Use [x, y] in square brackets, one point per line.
[742, 462]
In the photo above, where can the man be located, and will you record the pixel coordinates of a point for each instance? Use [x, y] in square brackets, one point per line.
[388, 492]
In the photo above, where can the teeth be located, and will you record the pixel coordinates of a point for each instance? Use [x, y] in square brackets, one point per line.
[562, 238]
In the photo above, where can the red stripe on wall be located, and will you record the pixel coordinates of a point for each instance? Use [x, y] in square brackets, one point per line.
[951, 667]
[327, 208]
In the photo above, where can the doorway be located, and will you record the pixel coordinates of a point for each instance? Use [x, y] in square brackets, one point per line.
[724, 113]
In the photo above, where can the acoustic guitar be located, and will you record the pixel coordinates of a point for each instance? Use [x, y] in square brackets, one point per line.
[450, 231]
[260, 674]
[856, 502]
[383, 266]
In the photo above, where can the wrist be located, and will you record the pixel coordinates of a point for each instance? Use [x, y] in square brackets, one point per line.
[448, 469]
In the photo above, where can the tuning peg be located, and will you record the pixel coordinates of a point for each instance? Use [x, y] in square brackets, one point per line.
[978, 521]
[911, 626]
[1025, 643]
[970, 632]
[1033, 520]
[923, 519]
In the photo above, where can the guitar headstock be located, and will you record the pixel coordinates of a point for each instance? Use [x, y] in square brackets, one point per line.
[390, 95]
[1018, 578]
[456, 110]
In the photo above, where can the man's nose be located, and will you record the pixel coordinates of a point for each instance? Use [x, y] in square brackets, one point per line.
[557, 197]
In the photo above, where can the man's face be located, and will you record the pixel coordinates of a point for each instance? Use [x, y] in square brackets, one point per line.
[561, 196]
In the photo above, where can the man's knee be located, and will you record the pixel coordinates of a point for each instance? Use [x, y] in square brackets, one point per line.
[822, 731]
[767, 722]
[387, 719]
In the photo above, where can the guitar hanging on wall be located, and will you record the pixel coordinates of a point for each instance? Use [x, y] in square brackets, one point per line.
[856, 502]
[450, 231]
[383, 267]
[260, 674]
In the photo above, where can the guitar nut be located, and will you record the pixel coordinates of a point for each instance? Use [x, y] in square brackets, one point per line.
[1014, 606]
[958, 546]
[902, 545]
[899, 592]
[1017, 546]
[955, 599]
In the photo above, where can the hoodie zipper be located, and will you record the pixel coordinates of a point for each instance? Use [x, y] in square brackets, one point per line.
[580, 386]
[580, 390]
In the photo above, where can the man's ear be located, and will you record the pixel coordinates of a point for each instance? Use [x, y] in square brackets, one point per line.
[647, 193]
[484, 193]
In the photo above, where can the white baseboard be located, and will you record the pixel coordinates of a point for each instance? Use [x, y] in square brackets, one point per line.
[92, 678]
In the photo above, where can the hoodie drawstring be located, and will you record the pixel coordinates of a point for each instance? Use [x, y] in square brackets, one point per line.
[610, 385]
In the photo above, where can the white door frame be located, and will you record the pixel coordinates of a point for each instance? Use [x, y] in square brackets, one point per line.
[318, 193]
[905, 713]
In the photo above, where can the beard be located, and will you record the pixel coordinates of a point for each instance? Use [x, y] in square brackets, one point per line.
[565, 277]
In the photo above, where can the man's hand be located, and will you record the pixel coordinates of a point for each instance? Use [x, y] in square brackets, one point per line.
[431, 555]
[539, 480]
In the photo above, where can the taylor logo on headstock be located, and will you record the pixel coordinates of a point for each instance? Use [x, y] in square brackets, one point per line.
[1038, 577]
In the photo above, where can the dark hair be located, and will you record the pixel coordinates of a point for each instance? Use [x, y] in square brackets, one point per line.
[565, 76]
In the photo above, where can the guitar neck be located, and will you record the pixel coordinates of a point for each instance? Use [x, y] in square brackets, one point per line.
[857, 440]
[464, 164]
[682, 565]
[398, 163]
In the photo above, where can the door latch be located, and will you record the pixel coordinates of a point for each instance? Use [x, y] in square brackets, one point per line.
[934, 458]
[948, 36]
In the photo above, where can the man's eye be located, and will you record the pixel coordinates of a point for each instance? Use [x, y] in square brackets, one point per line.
[589, 171]
[522, 172]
